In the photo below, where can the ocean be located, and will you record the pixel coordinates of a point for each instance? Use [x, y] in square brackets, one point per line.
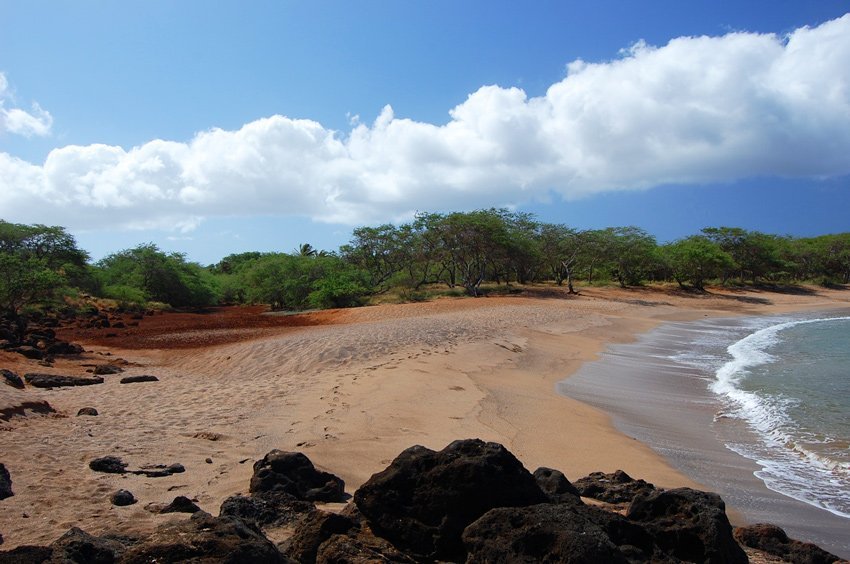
[789, 381]
[755, 408]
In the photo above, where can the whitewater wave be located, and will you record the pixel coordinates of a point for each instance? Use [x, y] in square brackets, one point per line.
[788, 465]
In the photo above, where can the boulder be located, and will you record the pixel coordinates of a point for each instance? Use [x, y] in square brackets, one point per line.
[57, 381]
[555, 485]
[774, 540]
[87, 411]
[318, 527]
[134, 379]
[5, 482]
[109, 465]
[78, 546]
[181, 504]
[122, 498]
[688, 524]
[203, 538]
[617, 487]
[539, 533]
[425, 499]
[293, 473]
[266, 509]
[10, 378]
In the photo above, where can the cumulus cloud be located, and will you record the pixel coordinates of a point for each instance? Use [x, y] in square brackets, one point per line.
[697, 110]
[20, 122]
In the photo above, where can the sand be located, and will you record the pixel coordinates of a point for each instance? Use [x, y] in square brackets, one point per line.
[351, 393]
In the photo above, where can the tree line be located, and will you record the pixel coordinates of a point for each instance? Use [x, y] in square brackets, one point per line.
[462, 251]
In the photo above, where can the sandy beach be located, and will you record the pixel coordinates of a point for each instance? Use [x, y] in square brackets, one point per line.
[349, 388]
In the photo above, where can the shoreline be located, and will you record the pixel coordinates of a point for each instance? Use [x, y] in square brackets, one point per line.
[351, 395]
[667, 405]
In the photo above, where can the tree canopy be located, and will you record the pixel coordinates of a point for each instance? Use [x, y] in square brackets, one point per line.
[467, 251]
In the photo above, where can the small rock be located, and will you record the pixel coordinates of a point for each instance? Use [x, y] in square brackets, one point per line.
[10, 378]
[105, 369]
[57, 381]
[5, 483]
[29, 352]
[21, 409]
[122, 498]
[109, 465]
[208, 460]
[160, 470]
[208, 435]
[555, 485]
[87, 411]
[775, 541]
[181, 504]
[617, 487]
[144, 378]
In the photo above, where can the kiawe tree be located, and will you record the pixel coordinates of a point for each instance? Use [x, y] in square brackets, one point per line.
[695, 260]
[157, 276]
[36, 261]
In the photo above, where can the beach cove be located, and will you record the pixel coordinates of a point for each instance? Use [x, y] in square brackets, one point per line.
[350, 391]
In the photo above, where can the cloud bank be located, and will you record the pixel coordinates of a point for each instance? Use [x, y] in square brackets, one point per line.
[697, 110]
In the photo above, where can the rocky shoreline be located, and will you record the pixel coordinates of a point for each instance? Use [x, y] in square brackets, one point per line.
[472, 501]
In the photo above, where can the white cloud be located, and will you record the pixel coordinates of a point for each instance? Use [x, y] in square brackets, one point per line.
[15, 120]
[697, 110]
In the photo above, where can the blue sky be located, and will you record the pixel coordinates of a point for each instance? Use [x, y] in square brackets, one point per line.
[219, 127]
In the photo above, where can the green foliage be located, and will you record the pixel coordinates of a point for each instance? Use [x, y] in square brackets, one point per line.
[161, 277]
[696, 259]
[125, 295]
[477, 252]
[25, 281]
[340, 286]
[36, 262]
[297, 282]
[631, 253]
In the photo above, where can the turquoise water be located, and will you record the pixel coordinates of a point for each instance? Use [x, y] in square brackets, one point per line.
[789, 382]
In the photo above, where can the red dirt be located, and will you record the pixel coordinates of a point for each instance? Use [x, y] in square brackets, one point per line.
[181, 330]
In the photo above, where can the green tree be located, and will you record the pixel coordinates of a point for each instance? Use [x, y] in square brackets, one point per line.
[161, 277]
[36, 262]
[561, 248]
[473, 241]
[631, 254]
[381, 251]
[835, 256]
[25, 281]
[696, 259]
[295, 282]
